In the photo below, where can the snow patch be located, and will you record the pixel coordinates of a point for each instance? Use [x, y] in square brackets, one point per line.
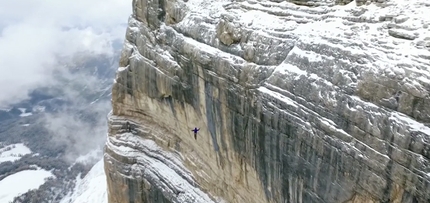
[7, 109]
[120, 69]
[21, 182]
[287, 69]
[311, 56]
[215, 9]
[369, 104]
[24, 113]
[278, 96]
[92, 188]
[414, 125]
[258, 19]
[13, 152]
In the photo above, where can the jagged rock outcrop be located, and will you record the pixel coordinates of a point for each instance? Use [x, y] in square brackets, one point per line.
[297, 101]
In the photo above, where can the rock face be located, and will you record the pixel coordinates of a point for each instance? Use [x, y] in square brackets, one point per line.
[296, 101]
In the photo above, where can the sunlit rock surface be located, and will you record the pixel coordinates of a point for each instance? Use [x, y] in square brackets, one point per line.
[296, 101]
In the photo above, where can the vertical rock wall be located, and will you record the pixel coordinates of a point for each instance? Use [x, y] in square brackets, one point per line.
[292, 107]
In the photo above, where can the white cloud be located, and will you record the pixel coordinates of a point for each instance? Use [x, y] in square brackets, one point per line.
[78, 134]
[34, 33]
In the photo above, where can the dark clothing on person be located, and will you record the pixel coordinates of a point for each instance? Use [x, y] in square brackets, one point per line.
[128, 127]
[195, 130]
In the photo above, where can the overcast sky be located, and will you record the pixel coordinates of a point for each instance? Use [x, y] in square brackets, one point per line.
[33, 32]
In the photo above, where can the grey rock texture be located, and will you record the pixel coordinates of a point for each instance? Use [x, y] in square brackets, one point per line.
[297, 101]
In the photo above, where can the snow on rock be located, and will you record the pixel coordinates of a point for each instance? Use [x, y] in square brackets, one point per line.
[278, 96]
[13, 152]
[411, 124]
[21, 182]
[91, 189]
[345, 86]
[162, 168]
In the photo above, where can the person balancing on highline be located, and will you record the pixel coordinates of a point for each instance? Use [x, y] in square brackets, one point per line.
[195, 132]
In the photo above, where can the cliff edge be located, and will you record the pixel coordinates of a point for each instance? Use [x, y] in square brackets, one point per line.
[296, 101]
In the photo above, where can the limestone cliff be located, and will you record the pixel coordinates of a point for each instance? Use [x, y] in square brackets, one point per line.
[297, 101]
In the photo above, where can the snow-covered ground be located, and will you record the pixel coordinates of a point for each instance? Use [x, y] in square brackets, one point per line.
[14, 153]
[21, 182]
[24, 113]
[91, 189]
